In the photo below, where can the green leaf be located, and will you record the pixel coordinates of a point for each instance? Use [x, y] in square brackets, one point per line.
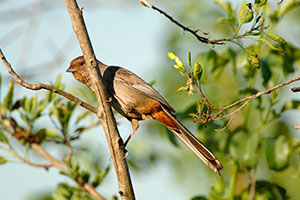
[8, 99]
[277, 152]
[276, 38]
[268, 146]
[58, 83]
[246, 14]
[237, 144]
[266, 72]
[199, 198]
[226, 6]
[50, 133]
[261, 2]
[282, 152]
[189, 59]
[182, 89]
[244, 148]
[265, 190]
[197, 73]
[3, 138]
[288, 6]
[85, 177]
[100, 177]
[82, 116]
[172, 138]
[2, 160]
[268, 44]
[253, 59]
[250, 151]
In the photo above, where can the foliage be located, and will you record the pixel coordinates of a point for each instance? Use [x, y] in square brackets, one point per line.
[19, 122]
[257, 137]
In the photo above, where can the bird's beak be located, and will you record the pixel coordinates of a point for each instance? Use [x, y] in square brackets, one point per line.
[70, 69]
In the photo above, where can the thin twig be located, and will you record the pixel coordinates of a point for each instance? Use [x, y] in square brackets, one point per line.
[90, 189]
[195, 31]
[296, 126]
[40, 86]
[295, 89]
[252, 185]
[70, 152]
[217, 115]
[46, 155]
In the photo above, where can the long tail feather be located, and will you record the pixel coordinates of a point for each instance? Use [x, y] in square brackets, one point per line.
[194, 144]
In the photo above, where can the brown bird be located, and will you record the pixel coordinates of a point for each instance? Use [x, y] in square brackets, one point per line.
[136, 100]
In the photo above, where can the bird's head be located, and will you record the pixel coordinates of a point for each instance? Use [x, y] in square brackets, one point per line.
[79, 70]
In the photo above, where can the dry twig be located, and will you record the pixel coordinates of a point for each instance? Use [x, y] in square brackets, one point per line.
[195, 31]
[40, 86]
[56, 163]
[246, 100]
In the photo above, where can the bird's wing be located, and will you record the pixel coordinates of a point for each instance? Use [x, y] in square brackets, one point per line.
[138, 84]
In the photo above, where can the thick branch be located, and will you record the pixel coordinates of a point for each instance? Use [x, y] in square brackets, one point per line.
[104, 113]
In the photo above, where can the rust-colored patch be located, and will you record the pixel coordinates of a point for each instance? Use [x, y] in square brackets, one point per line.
[165, 119]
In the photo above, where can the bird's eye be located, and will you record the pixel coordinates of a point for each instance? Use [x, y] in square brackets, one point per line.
[81, 63]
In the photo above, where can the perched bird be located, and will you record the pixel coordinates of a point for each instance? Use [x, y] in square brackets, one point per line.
[136, 100]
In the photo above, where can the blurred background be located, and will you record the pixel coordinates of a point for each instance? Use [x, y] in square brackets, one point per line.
[37, 39]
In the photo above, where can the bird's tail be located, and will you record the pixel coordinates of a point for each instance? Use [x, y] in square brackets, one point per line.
[194, 144]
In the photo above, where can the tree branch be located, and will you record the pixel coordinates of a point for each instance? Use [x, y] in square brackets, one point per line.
[56, 163]
[40, 86]
[104, 113]
[246, 100]
[195, 31]
[295, 89]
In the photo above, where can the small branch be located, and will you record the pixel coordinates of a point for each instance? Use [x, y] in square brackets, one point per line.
[185, 28]
[53, 161]
[268, 91]
[56, 163]
[195, 31]
[40, 86]
[218, 114]
[69, 154]
[295, 89]
[296, 126]
[252, 185]
[33, 164]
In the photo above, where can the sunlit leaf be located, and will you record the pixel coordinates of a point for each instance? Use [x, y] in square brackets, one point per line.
[226, 6]
[189, 59]
[253, 59]
[246, 14]
[3, 138]
[250, 155]
[277, 152]
[197, 73]
[2, 160]
[8, 99]
[288, 6]
[268, 44]
[276, 38]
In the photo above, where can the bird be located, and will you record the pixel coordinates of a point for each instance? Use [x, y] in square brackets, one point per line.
[136, 100]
